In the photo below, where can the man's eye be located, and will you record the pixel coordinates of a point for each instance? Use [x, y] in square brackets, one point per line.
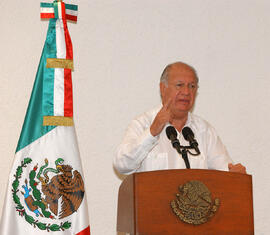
[180, 84]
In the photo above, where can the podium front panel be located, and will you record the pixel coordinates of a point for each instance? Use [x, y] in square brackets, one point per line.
[153, 192]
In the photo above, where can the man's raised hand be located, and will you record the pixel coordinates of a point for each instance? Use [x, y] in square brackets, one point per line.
[162, 118]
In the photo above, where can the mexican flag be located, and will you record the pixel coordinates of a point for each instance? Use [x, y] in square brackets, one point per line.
[46, 189]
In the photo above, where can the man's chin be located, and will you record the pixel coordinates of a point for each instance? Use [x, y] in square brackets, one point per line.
[185, 107]
[180, 111]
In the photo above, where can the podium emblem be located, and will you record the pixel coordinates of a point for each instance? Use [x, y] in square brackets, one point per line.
[193, 204]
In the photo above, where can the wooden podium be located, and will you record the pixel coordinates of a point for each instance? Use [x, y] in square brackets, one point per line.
[144, 203]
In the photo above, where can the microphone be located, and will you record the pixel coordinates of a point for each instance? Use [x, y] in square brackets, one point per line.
[172, 136]
[189, 136]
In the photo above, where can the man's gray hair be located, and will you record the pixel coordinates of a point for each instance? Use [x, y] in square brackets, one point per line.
[165, 74]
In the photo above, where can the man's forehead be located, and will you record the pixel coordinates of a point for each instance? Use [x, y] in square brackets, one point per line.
[180, 67]
[181, 70]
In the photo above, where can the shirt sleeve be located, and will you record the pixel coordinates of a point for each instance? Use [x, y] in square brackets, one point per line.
[217, 155]
[135, 147]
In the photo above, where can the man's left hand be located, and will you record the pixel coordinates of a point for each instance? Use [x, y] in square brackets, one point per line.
[239, 168]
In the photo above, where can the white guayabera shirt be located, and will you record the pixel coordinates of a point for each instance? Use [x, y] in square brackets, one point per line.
[140, 151]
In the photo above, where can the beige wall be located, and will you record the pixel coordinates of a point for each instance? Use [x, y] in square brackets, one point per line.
[120, 49]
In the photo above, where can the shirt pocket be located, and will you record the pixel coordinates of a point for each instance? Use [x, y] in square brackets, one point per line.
[157, 161]
[197, 162]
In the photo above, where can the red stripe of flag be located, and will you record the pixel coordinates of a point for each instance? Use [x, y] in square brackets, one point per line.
[71, 17]
[68, 97]
[85, 231]
[68, 104]
[46, 15]
[63, 8]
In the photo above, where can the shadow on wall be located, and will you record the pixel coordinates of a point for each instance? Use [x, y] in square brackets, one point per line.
[119, 176]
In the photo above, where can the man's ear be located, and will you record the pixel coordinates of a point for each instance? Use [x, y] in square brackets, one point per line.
[162, 88]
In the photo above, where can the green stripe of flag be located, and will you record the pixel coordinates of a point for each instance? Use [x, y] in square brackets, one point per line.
[32, 127]
[48, 75]
[71, 7]
[46, 4]
[33, 123]
[55, 6]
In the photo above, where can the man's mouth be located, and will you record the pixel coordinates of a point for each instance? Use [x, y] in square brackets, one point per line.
[186, 101]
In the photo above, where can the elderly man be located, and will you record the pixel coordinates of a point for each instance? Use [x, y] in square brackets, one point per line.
[145, 146]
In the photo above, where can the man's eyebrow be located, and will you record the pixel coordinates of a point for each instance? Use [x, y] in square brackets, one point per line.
[185, 82]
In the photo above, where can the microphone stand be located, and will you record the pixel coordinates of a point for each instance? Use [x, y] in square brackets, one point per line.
[185, 157]
[184, 153]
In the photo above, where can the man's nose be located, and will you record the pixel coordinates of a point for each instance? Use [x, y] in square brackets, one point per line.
[185, 90]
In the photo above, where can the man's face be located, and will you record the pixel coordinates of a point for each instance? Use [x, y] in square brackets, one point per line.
[181, 89]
